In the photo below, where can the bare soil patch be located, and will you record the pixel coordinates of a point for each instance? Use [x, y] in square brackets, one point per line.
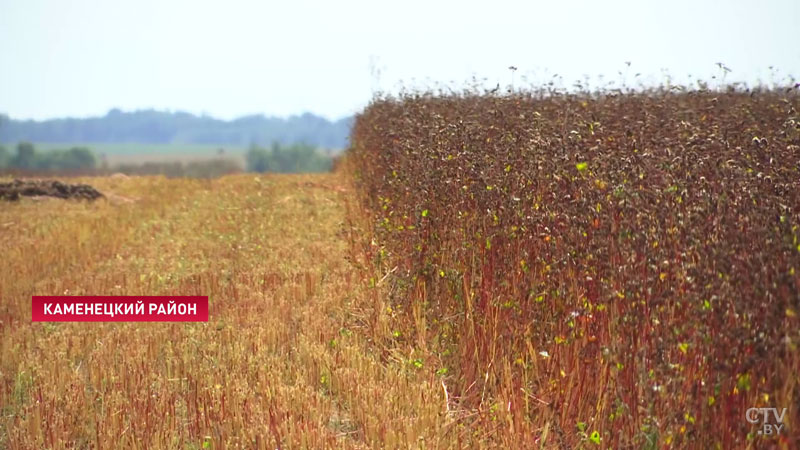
[16, 189]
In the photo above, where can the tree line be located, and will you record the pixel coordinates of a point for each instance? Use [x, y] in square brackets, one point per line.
[159, 127]
[296, 158]
[27, 158]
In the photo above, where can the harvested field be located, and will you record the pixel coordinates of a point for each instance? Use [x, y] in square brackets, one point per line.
[282, 363]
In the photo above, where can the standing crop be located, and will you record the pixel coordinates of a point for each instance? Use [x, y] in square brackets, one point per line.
[609, 269]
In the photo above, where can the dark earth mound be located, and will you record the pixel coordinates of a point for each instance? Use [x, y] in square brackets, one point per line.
[31, 188]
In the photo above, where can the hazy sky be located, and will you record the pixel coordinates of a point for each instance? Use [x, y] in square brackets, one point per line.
[229, 58]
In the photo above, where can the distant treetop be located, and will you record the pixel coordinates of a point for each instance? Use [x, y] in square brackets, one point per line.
[161, 127]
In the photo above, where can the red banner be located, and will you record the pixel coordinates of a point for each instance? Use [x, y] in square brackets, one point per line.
[99, 308]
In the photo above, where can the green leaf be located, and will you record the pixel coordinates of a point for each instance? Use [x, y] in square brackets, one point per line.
[743, 382]
[595, 437]
[581, 166]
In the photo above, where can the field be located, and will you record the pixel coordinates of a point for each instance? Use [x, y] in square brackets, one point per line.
[281, 360]
[521, 271]
[616, 270]
[131, 153]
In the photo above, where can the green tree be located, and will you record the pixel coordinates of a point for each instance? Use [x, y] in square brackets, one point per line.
[298, 158]
[77, 158]
[5, 157]
[257, 159]
[26, 156]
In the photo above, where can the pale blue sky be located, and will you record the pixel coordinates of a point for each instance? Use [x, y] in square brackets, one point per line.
[234, 57]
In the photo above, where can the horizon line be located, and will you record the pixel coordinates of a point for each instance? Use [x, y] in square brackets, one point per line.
[176, 111]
